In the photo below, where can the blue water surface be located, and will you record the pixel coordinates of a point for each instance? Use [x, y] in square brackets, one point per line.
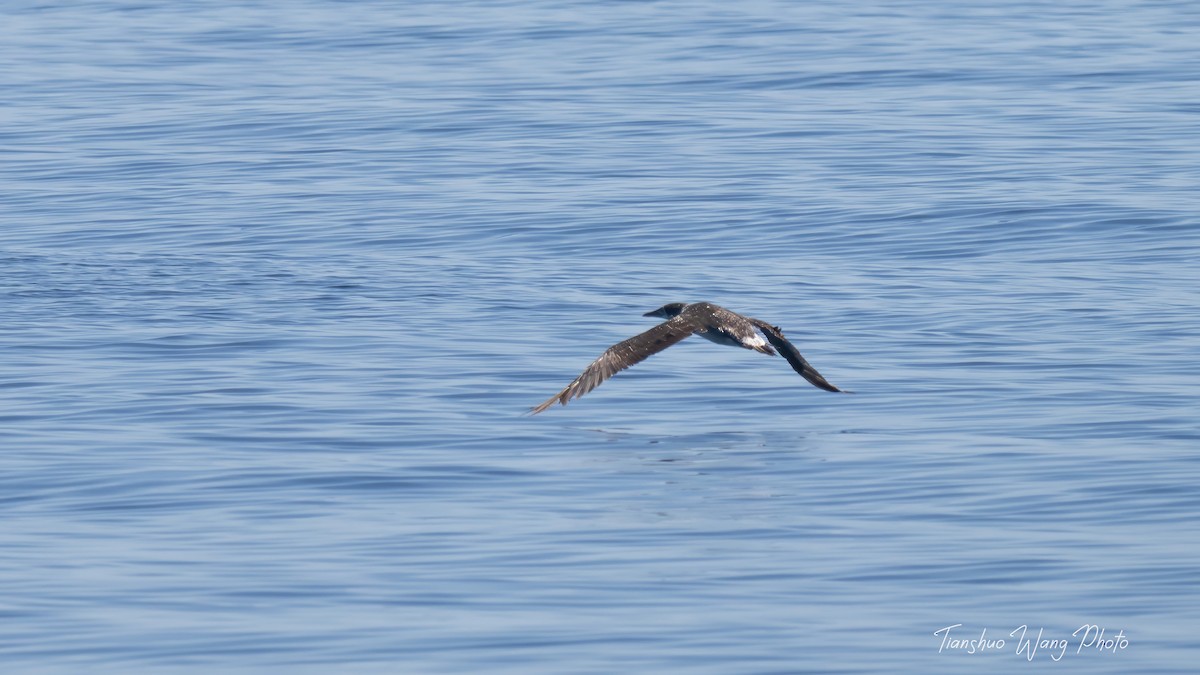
[278, 283]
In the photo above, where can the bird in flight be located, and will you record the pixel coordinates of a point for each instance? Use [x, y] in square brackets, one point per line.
[705, 319]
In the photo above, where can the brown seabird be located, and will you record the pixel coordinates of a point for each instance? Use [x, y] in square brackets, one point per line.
[711, 322]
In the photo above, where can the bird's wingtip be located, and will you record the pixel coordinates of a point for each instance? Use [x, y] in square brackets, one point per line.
[544, 406]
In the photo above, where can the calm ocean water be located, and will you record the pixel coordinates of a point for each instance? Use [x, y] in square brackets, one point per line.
[279, 282]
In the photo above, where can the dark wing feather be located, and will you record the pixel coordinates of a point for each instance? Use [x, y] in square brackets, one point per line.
[775, 336]
[619, 357]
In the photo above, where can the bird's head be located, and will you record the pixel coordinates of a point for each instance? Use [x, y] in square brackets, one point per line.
[671, 309]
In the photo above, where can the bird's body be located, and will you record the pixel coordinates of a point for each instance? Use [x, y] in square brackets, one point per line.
[719, 325]
[713, 323]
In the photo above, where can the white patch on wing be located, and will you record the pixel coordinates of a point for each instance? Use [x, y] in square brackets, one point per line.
[756, 341]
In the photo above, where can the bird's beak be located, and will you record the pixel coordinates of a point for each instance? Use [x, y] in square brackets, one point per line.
[652, 313]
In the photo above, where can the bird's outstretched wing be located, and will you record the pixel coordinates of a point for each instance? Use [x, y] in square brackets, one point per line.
[788, 350]
[619, 357]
